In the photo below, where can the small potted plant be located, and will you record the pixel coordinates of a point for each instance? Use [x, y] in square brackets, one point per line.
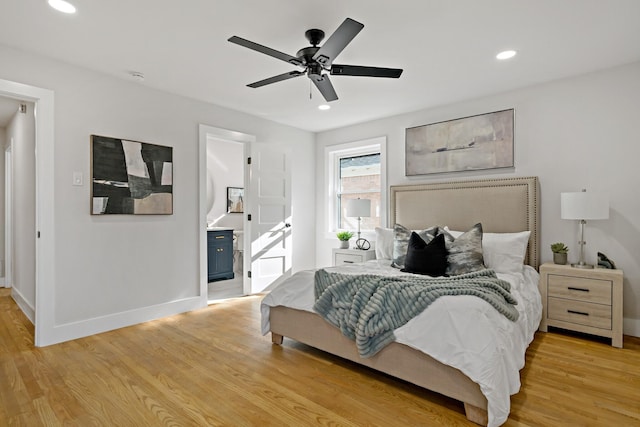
[344, 237]
[559, 253]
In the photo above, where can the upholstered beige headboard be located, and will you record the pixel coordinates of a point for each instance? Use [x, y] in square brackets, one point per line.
[501, 205]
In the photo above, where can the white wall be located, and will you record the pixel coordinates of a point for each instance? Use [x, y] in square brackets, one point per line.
[225, 168]
[22, 130]
[574, 133]
[116, 270]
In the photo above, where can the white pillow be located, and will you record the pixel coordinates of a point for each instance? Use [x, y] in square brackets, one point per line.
[384, 243]
[503, 252]
[454, 233]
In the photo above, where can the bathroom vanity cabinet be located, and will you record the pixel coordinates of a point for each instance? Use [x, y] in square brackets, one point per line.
[219, 254]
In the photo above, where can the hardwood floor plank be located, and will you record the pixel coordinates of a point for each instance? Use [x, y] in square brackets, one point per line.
[46, 415]
[211, 367]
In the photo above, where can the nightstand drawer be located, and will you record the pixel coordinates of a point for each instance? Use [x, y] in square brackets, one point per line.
[580, 289]
[352, 256]
[581, 313]
[348, 258]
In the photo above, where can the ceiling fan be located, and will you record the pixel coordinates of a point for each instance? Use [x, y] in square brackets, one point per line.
[317, 59]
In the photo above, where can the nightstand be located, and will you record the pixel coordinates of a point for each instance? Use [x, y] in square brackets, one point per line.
[582, 300]
[352, 256]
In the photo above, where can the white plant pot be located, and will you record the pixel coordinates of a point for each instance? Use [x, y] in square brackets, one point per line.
[344, 244]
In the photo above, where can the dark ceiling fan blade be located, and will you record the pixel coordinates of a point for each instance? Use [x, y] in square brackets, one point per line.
[337, 41]
[325, 87]
[266, 50]
[358, 70]
[278, 78]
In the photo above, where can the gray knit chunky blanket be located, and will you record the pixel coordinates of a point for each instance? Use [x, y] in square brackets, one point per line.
[368, 308]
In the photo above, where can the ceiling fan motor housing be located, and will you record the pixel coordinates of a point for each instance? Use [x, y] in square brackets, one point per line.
[306, 55]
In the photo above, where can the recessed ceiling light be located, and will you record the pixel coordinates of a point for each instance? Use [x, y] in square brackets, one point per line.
[506, 54]
[62, 6]
[324, 107]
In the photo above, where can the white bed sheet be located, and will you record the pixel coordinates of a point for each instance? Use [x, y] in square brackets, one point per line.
[471, 335]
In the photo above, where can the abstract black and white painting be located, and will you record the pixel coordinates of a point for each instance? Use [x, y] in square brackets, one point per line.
[130, 177]
[471, 143]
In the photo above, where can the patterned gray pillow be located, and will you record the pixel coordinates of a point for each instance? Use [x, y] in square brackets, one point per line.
[401, 235]
[465, 252]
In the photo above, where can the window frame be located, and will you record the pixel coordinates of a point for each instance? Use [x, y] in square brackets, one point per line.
[333, 154]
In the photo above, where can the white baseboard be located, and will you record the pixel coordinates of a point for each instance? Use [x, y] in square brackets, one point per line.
[97, 325]
[27, 309]
[631, 327]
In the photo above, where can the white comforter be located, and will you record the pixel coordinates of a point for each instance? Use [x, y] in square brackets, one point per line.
[471, 335]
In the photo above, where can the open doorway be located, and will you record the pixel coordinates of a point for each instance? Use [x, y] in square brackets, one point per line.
[223, 152]
[35, 299]
[17, 203]
[266, 219]
[225, 218]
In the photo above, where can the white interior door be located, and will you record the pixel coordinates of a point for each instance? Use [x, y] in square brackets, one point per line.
[270, 210]
[8, 217]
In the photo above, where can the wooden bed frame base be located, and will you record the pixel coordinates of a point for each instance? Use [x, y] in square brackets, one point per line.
[396, 359]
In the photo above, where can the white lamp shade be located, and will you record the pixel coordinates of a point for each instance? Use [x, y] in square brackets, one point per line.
[359, 207]
[584, 205]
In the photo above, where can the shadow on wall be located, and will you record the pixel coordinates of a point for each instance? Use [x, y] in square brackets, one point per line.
[210, 190]
[627, 235]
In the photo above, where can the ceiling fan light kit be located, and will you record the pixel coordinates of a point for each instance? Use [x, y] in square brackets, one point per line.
[317, 61]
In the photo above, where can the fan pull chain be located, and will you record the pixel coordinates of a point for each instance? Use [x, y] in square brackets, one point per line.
[310, 97]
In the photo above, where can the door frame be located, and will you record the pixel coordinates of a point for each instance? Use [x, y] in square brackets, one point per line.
[246, 140]
[44, 320]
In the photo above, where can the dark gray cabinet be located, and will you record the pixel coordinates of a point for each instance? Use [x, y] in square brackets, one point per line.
[219, 254]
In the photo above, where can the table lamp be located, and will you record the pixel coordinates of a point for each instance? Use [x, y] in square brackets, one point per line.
[583, 206]
[359, 208]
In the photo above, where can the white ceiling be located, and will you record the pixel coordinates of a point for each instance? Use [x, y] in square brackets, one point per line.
[446, 47]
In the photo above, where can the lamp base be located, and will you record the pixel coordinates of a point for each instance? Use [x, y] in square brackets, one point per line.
[584, 266]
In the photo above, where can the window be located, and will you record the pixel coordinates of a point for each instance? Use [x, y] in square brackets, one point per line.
[359, 178]
[356, 170]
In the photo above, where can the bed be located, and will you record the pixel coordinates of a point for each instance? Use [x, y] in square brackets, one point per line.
[503, 207]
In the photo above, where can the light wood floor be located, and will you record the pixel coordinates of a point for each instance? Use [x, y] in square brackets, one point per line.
[212, 367]
[225, 289]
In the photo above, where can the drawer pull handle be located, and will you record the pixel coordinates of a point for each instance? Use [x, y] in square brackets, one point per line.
[348, 262]
[219, 237]
[571, 288]
[581, 313]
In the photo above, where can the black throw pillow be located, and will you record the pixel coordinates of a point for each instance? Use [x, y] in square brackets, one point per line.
[426, 258]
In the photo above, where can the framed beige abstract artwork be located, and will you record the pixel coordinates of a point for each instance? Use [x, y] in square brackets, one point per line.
[484, 141]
